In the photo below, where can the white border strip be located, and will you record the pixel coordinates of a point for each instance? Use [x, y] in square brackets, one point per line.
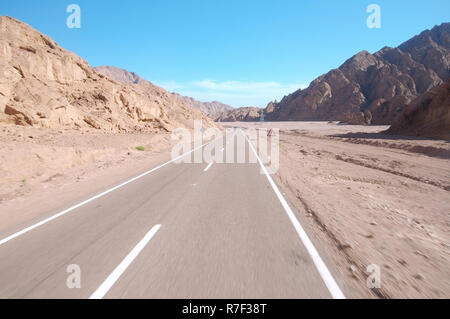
[119, 270]
[328, 279]
[45, 221]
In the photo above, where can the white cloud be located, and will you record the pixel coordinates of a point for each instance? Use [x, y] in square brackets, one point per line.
[235, 93]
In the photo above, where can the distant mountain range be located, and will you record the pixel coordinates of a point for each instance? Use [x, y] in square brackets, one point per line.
[45, 85]
[210, 109]
[120, 75]
[242, 114]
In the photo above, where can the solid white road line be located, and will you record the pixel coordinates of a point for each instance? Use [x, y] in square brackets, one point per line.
[328, 279]
[115, 275]
[207, 167]
[45, 221]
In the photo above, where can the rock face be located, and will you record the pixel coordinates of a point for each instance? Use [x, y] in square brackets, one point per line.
[211, 109]
[120, 75]
[44, 85]
[242, 114]
[426, 116]
[372, 88]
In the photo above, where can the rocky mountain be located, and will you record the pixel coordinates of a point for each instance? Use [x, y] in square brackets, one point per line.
[426, 116]
[120, 75]
[242, 114]
[212, 109]
[372, 88]
[44, 85]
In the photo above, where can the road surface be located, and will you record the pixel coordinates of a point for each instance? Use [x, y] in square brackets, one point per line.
[184, 230]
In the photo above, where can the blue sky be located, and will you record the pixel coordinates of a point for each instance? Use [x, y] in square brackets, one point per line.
[238, 52]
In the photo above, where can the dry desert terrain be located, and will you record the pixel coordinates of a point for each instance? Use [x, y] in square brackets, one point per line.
[364, 197]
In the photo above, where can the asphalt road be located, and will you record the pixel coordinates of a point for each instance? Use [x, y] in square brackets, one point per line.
[204, 230]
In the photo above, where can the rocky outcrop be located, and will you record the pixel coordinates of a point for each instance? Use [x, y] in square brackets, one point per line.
[242, 114]
[211, 109]
[120, 75]
[372, 88]
[426, 116]
[44, 85]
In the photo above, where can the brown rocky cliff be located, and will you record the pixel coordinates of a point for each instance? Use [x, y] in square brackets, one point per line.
[373, 88]
[426, 116]
[44, 85]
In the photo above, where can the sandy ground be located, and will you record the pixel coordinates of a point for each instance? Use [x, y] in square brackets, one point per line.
[365, 198]
[371, 199]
